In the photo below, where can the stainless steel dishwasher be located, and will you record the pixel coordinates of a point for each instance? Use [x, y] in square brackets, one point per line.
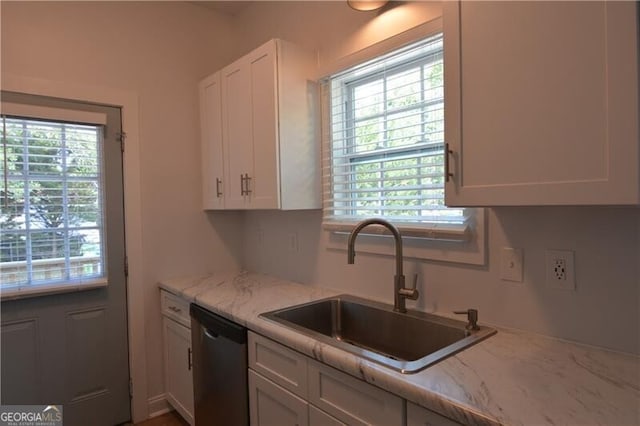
[219, 370]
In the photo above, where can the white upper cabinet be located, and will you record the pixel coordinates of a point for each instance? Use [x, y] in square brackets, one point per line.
[213, 179]
[236, 131]
[269, 148]
[541, 103]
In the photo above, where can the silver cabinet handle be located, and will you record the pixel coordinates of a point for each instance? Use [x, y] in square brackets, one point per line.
[247, 191]
[447, 173]
[218, 192]
[175, 309]
[244, 184]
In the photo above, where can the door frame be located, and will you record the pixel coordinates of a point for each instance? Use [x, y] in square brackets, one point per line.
[128, 102]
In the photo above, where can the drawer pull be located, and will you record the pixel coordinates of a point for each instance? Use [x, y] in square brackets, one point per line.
[175, 309]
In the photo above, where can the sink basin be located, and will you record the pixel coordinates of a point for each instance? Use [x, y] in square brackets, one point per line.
[406, 342]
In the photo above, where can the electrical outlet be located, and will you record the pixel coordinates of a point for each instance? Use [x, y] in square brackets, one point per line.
[560, 269]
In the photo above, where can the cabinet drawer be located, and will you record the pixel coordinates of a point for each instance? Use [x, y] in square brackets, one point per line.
[282, 365]
[320, 418]
[420, 416]
[175, 307]
[350, 400]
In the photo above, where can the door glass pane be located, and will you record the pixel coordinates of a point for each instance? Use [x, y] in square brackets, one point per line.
[52, 209]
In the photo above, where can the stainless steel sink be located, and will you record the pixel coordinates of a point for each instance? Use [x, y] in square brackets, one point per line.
[406, 342]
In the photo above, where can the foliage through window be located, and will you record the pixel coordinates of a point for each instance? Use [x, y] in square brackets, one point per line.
[51, 218]
[386, 148]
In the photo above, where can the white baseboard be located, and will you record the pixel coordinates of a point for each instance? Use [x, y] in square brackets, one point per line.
[158, 405]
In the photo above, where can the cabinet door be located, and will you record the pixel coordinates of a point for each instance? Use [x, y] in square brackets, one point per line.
[177, 366]
[237, 131]
[212, 150]
[419, 416]
[264, 183]
[350, 400]
[541, 103]
[271, 405]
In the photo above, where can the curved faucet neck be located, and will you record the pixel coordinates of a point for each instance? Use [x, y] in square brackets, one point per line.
[351, 252]
[400, 293]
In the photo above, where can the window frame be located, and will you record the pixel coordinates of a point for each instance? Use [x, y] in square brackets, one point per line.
[349, 88]
[62, 117]
[449, 242]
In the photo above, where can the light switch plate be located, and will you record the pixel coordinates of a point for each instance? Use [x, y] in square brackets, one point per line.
[511, 264]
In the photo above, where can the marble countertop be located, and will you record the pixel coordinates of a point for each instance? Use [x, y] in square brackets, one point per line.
[512, 378]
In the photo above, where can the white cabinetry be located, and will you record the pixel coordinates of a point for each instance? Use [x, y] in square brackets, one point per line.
[260, 131]
[178, 376]
[318, 417]
[271, 405]
[419, 416]
[286, 387]
[279, 364]
[211, 143]
[350, 400]
[542, 103]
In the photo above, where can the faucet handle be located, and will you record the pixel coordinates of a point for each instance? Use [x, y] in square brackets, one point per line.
[411, 293]
[415, 282]
[472, 318]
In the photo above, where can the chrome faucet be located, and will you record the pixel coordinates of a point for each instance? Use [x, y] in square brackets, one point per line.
[400, 292]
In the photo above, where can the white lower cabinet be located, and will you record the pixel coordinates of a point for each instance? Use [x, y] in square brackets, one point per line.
[318, 417]
[178, 377]
[350, 400]
[420, 416]
[271, 405]
[288, 388]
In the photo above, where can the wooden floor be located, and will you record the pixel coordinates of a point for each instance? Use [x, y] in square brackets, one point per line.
[171, 418]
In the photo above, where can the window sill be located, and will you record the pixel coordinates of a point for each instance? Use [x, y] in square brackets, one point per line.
[26, 291]
[461, 244]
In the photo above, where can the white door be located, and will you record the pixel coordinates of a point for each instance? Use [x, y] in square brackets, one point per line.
[62, 225]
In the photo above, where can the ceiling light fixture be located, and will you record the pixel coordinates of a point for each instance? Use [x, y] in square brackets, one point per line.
[366, 5]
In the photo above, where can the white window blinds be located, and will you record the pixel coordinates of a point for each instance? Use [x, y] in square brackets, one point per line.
[383, 127]
[52, 204]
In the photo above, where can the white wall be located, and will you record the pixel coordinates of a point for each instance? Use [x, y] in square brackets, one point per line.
[160, 51]
[604, 311]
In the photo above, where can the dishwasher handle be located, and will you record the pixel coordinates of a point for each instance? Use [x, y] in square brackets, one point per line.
[215, 325]
[210, 334]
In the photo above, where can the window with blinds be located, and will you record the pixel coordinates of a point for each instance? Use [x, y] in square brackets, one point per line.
[384, 144]
[52, 205]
